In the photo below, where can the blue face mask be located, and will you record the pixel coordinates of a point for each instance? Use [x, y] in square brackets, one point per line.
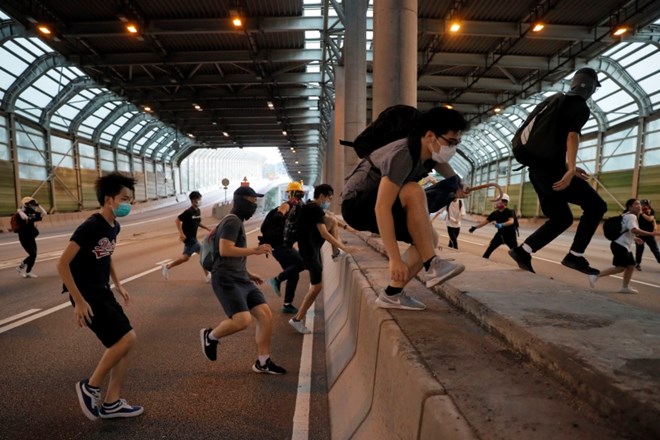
[325, 205]
[122, 210]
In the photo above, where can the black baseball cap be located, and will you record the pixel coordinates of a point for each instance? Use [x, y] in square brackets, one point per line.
[589, 72]
[246, 191]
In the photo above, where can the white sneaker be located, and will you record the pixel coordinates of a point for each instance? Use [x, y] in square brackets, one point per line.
[29, 275]
[165, 271]
[441, 271]
[207, 278]
[398, 301]
[20, 269]
[628, 290]
[299, 326]
[592, 280]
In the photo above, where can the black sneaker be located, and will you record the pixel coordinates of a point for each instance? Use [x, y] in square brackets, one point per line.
[269, 367]
[638, 267]
[524, 259]
[579, 263]
[209, 346]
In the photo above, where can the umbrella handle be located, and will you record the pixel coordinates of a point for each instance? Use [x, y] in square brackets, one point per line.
[487, 185]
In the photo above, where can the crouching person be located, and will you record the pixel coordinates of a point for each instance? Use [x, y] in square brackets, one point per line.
[382, 196]
[235, 287]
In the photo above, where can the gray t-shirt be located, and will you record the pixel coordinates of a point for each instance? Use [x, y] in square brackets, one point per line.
[231, 228]
[394, 160]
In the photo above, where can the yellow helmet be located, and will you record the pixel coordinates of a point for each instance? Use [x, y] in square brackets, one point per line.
[294, 186]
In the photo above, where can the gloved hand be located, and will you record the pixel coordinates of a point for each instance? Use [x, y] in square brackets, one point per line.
[472, 229]
[499, 225]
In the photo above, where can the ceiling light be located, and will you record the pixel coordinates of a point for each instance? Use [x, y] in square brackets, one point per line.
[198, 107]
[296, 162]
[44, 29]
[225, 134]
[214, 123]
[298, 171]
[292, 148]
[538, 27]
[190, 135]
[620, 31]
[147, 108]
[449, 106]
[497, 109]
[235, 18]
[455, 26]
[270, 105]
[132, 28]
[283, 132]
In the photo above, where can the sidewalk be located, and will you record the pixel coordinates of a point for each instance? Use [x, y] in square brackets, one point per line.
[605, 352]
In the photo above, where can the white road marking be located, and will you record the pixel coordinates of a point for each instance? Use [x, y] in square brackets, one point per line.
[18, 316]
[66, 304]
[303, 396]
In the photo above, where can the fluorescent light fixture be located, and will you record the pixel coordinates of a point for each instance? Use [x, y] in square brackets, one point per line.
[620, 31]
[225, 134]
[132, 28]
[538, 27]
[44, 29]
[270, 105]
[455, 26]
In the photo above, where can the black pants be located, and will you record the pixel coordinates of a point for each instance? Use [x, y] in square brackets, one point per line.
[555, 207]
[453, 236]
[498, 240]
[653, 245]
[292, 265]
[29, 243]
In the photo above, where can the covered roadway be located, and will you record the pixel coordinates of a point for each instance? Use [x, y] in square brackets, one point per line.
[190, 99]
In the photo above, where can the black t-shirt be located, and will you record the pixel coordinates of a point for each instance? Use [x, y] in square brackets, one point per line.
[308, 233]
[190, 219]
[644, 224]
[502, 217]
[91, 265]
[573, 114]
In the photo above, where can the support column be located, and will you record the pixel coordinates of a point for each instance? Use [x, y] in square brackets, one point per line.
[395, 54]
[336, 177]
[639, 156]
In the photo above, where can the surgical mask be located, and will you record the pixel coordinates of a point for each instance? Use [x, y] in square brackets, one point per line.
[444, 154]
[122, 210]
[243, 208]
[325, 205]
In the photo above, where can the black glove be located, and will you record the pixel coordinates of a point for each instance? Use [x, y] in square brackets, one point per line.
[472, 229]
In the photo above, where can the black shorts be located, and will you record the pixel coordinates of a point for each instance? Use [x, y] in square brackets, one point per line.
[109, 322]
[236, 295]
[622, 256]
[360, 213]
[312, 260]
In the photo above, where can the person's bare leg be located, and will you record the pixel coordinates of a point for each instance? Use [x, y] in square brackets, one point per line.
[111, 357]
[610, 271]
[332, 226]
[307, 302]
[117, 376]
[238, 321]
[263, 335]
[627, 275]
[182, 259]
[413, 201]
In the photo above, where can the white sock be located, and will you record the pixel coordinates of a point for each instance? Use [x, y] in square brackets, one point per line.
[263, 359]
[576, 254]
[527, 248]
[211, 337]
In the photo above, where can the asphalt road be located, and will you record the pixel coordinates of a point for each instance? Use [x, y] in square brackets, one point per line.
[185, 395]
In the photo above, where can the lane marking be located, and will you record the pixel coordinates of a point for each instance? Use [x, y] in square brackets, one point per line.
[67, 304]
[18, 316]
[303, 396]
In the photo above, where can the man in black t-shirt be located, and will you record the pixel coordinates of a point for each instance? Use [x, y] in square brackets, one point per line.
[504, 220]
[312, 233]
[187, 223]
[86, 268]
[646, 223]
[560, 183]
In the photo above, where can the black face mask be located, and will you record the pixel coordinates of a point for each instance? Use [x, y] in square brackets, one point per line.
[243, 208]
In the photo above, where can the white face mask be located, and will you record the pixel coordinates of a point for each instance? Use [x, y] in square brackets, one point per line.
[444, 154]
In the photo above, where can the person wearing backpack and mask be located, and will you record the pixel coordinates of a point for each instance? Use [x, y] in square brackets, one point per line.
[29, 213]
[646, 223]
[235, 287]
[312, 233]
[558, 182]
[623, 260]
[187, 223]
[382, 196]
[287, 256]
[504, 220]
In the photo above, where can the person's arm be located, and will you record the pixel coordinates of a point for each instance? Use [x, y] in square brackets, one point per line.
[481, 224]
[22, 215]
[82, 309]
[648, 217]
[284, 208]
[228, 248]
[639, 232]
[323, 230]
[117, 281]
[388, 192]
[572, 142]
[446, 171]
[179, 226]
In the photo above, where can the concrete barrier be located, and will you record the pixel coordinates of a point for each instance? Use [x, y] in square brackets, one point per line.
[373, 370]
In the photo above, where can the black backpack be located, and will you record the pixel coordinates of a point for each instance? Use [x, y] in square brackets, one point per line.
[291, 225]
[393, 123]
[535, 142]
[272, 228]
[612, 227]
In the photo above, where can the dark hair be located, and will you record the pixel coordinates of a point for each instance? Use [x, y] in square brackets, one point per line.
[439, 120]
[194, 195]
[323, 190]
[629, 203]
[111, 185]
